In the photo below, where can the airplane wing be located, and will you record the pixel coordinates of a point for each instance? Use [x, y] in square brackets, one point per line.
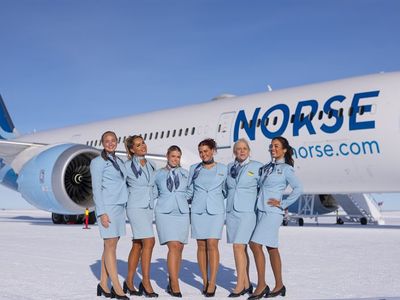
[10, 149]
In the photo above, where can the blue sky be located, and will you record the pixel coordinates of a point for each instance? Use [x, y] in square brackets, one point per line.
[67, 61]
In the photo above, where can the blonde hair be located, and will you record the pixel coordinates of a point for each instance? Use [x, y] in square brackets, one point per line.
[129, 141]
[240, 141]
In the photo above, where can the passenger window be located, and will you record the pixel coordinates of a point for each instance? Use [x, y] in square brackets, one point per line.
[219, 128]
[275, 120]
[292, 119]
[193, 129]
[266, 122]
[150, 136]
[162, 134]
[320, 115]
[168, 134]
[145, 136]
[186, 131]
[362, 110]
[330, 114]
[95, 143]
[156, 135]
[180, 132]
[351, 111]
[258, 122]
[174, 133]
[341, 113]
[119, 140]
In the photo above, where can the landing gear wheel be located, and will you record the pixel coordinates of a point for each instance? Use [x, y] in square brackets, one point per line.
[363, 221]
[301, 222]
[92, 218]
[56, 218]
[339, 221]
[69, 219]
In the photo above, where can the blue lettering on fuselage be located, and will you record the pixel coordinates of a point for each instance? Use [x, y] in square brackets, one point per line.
[304, 124]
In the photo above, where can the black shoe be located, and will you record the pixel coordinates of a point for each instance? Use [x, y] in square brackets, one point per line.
[203, 292]
[249, 290]
[281, 292]
[260, 295]
[146, 293]
[101, 291]
[116, 296]
[212, 294]
[131, 292]
[171, 292]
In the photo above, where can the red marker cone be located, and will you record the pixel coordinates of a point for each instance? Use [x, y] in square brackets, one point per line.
[86, 219]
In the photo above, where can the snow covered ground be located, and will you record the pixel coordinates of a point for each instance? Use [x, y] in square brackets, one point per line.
[39, 260]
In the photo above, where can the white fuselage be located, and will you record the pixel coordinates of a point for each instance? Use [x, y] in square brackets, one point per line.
[337, 151]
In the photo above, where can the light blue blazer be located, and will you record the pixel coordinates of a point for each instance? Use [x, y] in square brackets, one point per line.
[274, 186]
[109, 187]
[141, 190]
[169, 201]
[242, 190]
[210, 199]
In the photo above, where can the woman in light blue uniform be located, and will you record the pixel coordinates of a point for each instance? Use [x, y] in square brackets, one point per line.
[242, 188]
[139, 210]
[207, 191]
[110, 196]
[274, 178]
[172, 214]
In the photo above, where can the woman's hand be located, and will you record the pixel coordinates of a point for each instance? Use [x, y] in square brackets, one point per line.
[274, 202]
[105, 220]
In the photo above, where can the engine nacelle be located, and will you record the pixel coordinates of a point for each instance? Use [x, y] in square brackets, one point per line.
[58, 179]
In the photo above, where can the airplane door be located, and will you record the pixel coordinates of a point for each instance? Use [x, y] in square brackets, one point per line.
[223, 136]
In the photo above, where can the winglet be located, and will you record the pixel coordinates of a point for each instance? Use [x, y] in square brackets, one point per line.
[7, 129]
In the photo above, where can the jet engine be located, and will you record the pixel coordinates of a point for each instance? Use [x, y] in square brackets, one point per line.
[58, 179]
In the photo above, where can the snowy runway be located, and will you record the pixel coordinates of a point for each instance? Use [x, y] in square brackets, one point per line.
[39, 260]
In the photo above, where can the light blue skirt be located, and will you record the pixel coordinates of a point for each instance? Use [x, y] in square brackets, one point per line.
[206, 226]
[141, 220]
[172, 227]
[117, 227]
[267, 229]
[240, 226]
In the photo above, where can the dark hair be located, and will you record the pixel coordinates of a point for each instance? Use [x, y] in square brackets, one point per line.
[174, 148]
[210, 143]
[129, 143]
[289, 150]
[104, 153]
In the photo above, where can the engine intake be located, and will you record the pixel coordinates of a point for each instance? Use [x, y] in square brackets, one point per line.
[58, 179]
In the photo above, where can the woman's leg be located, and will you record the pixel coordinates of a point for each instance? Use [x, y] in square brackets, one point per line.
[259, 259]
[202, 260]
[276, 264]
[213, 261]
[104, 275]
[174, 262]
[110, 259]
[148, 245]
[133, 261]
[239, 252]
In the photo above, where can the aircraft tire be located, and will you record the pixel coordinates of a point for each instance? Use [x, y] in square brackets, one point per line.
[301, 222]
[339, 221]
[363, 221]
[57, 218]
[68, 219]
[92, 218]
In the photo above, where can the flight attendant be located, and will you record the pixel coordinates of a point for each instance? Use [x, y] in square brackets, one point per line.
[206, 189]
[172, 214]
[242, 189]
[140, 180]
[274, 178]
[110, 196]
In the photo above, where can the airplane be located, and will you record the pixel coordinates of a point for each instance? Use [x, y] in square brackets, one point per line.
[345, 135]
